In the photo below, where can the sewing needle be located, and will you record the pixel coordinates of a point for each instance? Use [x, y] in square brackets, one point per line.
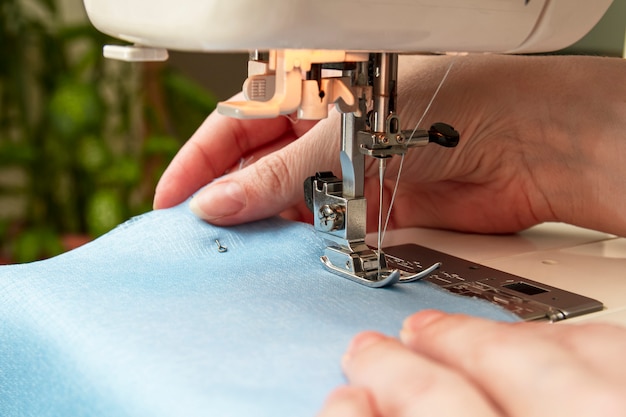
[382, 166]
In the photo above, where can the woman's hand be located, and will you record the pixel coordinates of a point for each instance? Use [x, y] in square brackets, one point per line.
[256, 168]
[453, 365]
[541, 140]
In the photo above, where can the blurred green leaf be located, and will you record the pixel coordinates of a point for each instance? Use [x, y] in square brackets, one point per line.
[190, 91]
[164, 145]
[75, 108]
[88, 144]
[92, 154]
[105, 210]
[34, 244]
[49, 4]
[16, 153]
[56, 155]
[124, 171]
[188, 103]
[81, 32]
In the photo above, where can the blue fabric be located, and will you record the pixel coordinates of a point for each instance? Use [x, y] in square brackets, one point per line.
[151, 320]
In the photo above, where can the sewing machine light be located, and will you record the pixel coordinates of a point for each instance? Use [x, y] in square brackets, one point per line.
[280, 86]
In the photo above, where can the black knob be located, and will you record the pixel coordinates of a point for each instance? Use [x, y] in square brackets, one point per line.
[443, 134]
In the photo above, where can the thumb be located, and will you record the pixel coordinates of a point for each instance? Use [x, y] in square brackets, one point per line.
[268, 186]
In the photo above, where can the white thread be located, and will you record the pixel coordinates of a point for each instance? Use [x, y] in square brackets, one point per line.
[419, 122]
[292, 119]
[245, 162]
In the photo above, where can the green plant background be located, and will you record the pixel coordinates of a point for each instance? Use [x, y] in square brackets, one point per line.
[83, 140]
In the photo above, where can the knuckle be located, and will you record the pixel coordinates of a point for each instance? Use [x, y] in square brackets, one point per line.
[408, 401]
[489, 349]
[205, 154]
[420, 393]
[275, 171]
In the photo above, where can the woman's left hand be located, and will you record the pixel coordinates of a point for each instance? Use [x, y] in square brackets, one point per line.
[453, 365]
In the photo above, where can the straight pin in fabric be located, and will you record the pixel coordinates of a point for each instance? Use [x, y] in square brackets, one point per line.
[220, 248]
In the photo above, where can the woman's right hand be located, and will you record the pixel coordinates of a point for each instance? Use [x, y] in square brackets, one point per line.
[541, 140]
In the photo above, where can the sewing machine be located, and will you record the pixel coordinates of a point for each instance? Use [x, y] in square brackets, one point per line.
[309, 55]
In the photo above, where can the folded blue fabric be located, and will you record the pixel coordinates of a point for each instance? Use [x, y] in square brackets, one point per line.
[152, 320]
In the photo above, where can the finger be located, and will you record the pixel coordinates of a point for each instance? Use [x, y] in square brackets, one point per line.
[271, 184]
[600, 345]
[217, 145]
[403, 383]
[348, 402]
[298, 213]
[520, 369]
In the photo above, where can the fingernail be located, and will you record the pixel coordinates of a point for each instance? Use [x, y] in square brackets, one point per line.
[416, 322]
[360, 342]
[220, 199]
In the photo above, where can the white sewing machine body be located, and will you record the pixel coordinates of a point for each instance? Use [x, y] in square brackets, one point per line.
[361, 38]
[507, 26]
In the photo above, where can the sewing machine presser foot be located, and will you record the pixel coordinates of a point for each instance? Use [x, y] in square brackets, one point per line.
[374, 278]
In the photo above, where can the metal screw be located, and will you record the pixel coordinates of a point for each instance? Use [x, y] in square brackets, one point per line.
[331, 217]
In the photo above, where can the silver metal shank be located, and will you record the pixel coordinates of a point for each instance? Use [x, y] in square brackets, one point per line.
[339, 206]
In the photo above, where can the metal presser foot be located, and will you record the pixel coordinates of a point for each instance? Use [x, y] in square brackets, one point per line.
[382, 278]
[371, 128]
[346, 253]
